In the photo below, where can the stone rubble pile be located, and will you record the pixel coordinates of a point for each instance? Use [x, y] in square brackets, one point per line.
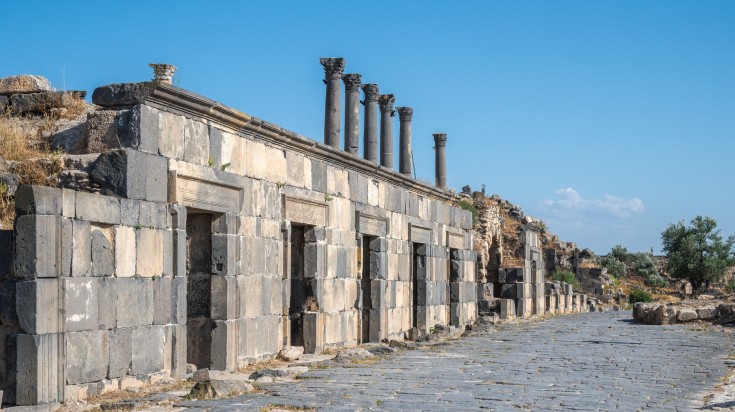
[668, 314]
[28, 94]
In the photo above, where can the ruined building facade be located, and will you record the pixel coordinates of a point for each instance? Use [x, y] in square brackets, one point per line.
[218, 239]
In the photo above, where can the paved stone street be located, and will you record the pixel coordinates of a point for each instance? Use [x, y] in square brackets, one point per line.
[587, 362]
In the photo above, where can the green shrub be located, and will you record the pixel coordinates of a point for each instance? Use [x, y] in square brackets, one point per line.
[730, 286]
[468, 204]
[639, 295]
[565, 276]
[656, 281]
[615, 266]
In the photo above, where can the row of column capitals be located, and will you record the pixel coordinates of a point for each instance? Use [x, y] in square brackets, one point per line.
[371, 92]
[386, 102]
[333, 67]
[405, 114]
[352, 82]
[440, 139]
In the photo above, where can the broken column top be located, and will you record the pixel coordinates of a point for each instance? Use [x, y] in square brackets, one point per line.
[333, 67]
[440, 139]
[386, 101]
[163, 73]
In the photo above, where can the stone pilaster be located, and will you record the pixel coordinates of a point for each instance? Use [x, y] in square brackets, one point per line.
[386, 129]
[440, 143]
[405, 114]
[352, 112]
[333, 68]
[370, 134]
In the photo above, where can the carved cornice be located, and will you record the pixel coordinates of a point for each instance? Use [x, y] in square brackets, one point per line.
[371, 92]
[386, 102]
[352, 82]
[184, 102]
[405, 113]
[333, 67]
[440, 139]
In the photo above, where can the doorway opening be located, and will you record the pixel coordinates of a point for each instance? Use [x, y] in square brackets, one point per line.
[418, 273]
[302, 292]
[199, 323]
[366, 287]
[454, 292]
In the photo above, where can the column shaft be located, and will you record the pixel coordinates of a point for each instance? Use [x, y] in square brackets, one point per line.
[333, 68]
[386, 129]
[370, 134]
[405, 114]
[440, 143]
[352, 112]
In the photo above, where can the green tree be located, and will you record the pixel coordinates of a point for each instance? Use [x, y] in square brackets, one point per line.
[620, 253]
[697, 252]
[615, 267]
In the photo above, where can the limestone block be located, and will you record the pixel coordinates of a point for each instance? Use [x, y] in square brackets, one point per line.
[235, 151]
[146, 177]
[129, 212]
[38, 200]
[153, 215]
[37, 378]
[249, 289]
[162, 301]
[507, 309]
[255, 159]
[103, 254]
[179, 252]
[37, 306]
[197, 142]
[148, 350]
[168, 253]
[81, 304]
[149, 255]
[318, 176]
[686, 315]
[171, 135]
[107, 299]
[178, 355]
[24, 83]
[224, 297]
[707, 313]
[224, 345]
[271, 201]
[178, 300]
[37, 248]
[87, 356]
[378, 265]
[276, 169]
[294, 169]
[378, 293]
[315, 260]
[68, 201]
[98, 208]
[134, 302]
[270, 229]
[308, 181]
[148, 130]
[340, 213]
[224, 254]
[373, 192]
[66, 232]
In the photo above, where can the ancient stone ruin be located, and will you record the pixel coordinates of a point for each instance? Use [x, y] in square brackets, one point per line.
[198, 234]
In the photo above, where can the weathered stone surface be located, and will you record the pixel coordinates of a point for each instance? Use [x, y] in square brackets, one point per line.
[201, 375]
[122, 94]
[71, 139]
[24, 83]
[98, 208]
[37, 306]
[9, 183]
[121, 352]
[81, 304]
[138, 294]
[707, 313]
[44, 101]
[37, 378]
[148, 350]
[38, 200]
[686, 315]
[101, 133]
[347, 355]
[6, 253]
[86, 356]
[103, 253]
[291, 353]
[664, 315]
[132, 174]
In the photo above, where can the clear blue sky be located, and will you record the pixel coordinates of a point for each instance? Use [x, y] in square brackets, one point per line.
[609, 120]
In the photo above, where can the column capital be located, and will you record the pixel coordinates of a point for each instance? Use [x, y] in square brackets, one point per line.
[352, 82]
[333, 67]
[440, 139]
[386, 102]
[163, 73]
[371, 92]
[405, 113]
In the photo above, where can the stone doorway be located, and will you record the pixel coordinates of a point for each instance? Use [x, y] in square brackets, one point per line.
[453, 285]
[418, 279]
[366, 289]
[199, 323]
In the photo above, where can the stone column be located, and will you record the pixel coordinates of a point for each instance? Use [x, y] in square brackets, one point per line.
[333, 68]
[405, 114]
[370, 134]
[386, 129]
[440, 144]
[352, 112]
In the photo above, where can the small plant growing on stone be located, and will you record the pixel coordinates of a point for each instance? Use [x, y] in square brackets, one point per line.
[280, 185]
[565, 276]
[225, 166]
[210, 161]
[327, 197]
[639, 295]
[469, 205]
[138, 226]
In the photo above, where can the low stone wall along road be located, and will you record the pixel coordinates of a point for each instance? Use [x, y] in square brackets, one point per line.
[586, 362]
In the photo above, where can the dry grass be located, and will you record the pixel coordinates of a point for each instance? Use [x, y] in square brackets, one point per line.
[26, 155]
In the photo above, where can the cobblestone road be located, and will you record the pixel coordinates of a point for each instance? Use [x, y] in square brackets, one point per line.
[587, 362]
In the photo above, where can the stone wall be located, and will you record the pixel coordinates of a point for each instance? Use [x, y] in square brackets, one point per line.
[306, 245]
